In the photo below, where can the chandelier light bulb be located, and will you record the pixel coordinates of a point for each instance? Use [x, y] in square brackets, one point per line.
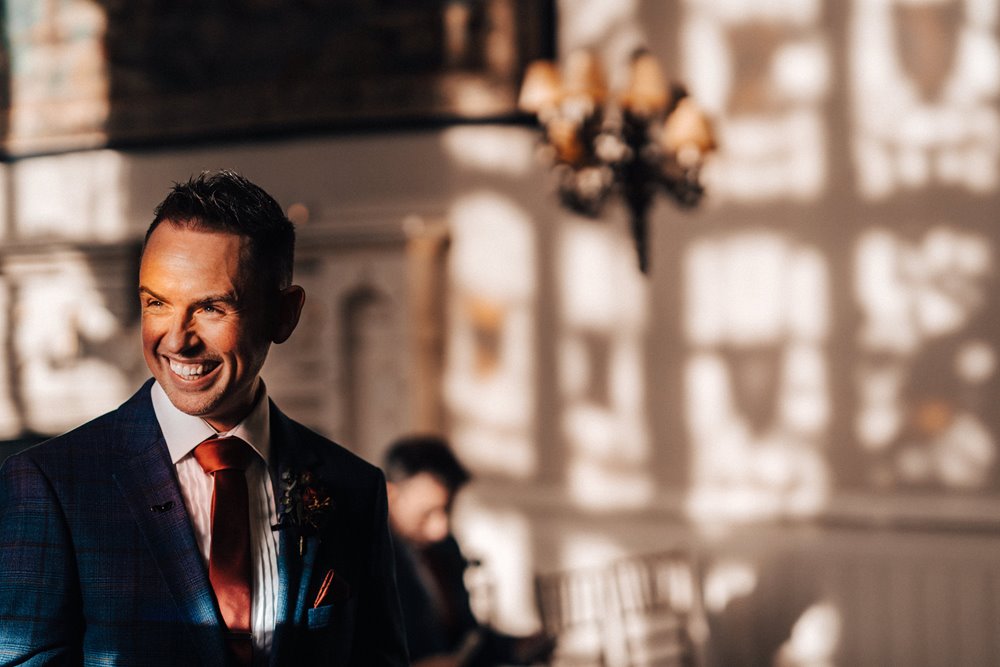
[542, 89]
[584, 77]
[646, 94]
[687, 133]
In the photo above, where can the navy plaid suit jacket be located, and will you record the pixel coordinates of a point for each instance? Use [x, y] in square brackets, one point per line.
[99, 563]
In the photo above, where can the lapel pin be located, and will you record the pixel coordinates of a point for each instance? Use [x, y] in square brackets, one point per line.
[160, 509]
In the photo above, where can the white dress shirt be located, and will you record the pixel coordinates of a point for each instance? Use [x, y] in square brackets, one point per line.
[183, 433]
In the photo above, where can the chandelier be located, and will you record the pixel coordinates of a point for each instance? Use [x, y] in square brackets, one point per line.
[650, 137]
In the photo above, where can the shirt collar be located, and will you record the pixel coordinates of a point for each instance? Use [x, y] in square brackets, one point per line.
[184, 432]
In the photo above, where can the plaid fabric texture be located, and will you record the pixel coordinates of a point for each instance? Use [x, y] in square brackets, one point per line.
[99, 564]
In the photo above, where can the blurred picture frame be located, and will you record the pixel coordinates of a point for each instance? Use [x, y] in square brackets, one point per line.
[148, 73]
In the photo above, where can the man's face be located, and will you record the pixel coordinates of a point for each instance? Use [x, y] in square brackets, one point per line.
[419, 509]
[204, 325]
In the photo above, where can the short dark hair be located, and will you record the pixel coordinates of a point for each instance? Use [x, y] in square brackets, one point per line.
[225, 201]
[415, 454]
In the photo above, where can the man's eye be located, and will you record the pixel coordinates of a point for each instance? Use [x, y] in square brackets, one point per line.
[153, 303]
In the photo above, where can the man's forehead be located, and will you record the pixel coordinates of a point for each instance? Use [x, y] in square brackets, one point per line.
[176, 252]
[182, 239]
[200, 226]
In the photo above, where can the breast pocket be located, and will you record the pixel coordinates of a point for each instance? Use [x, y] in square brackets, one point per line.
[320, 616]
[330, 630]
[338, 615]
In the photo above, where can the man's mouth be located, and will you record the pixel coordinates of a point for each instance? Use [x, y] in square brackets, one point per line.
[192, 371]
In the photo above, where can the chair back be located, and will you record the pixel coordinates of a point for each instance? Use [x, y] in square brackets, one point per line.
[574, 607]
[641, 611]
[663, 623]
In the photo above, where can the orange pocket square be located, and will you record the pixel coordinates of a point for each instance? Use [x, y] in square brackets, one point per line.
[333, 588]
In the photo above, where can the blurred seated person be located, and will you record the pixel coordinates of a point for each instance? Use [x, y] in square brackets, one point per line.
[423, 478]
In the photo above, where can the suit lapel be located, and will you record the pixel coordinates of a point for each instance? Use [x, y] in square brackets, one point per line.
[295, 570]
[146, 478]
[289, 574]
[294, 576]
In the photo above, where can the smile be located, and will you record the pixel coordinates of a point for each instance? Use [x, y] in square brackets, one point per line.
[192, 371]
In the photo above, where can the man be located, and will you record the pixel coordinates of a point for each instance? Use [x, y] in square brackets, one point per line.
[145, 537]
[423, 478]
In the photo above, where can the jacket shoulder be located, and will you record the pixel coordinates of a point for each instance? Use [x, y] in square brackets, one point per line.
[334, 451]
[308, 448]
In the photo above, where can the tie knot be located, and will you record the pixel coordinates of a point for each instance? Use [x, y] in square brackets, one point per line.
[223, 454]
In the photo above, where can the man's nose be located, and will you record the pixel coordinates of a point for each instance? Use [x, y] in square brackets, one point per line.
[438, 528]
[181, 334]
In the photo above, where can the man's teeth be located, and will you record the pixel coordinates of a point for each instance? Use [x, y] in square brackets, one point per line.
[190, 370]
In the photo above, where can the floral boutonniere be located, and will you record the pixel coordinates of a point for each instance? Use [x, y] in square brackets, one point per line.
[304, 507]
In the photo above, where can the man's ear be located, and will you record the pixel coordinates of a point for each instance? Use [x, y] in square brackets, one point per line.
[290, 302]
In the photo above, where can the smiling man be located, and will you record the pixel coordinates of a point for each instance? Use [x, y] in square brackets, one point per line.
[197, 524]
[207, 325]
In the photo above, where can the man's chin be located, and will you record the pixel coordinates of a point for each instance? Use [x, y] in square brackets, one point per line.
[190, 401]
[192, 408]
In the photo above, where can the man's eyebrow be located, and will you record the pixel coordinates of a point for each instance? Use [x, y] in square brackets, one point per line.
[228, 298]
[145, 290]
[225, 297]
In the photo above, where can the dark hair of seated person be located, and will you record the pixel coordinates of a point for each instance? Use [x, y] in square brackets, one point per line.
[412, 455]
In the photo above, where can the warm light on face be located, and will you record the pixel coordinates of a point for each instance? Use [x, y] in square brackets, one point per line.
[419, 509]
[204, 331]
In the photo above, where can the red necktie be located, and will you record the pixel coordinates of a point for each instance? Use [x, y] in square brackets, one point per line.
[229, 561]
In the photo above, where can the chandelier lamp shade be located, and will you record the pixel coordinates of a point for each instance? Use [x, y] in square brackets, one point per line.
[648, 138]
